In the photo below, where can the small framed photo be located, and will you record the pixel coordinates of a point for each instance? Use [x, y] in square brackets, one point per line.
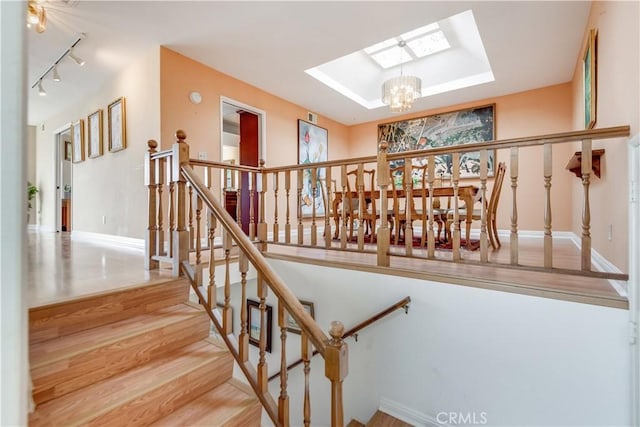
[292, 325]
[117, 125]
[77, 141]
[68, 150]
[253, 324]
[94, 123]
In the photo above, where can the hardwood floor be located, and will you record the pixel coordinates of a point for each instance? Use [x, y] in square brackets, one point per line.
[61, 268]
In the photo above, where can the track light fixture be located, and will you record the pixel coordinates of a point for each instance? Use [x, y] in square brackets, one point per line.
[41, 90]
[54, 67]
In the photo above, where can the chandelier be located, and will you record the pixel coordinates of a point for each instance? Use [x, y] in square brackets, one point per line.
[400, 92]
[37, 16]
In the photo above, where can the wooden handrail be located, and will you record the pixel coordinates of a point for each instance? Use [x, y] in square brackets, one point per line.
[284, 294]
[403, 303]
[223, 165]
[161, 154]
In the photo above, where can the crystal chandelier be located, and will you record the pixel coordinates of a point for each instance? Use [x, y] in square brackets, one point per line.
[400, 92]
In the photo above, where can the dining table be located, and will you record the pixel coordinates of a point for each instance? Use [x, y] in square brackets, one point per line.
[466, 193]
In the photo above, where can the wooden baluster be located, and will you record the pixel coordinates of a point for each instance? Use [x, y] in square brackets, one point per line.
[336, 368]
[484, 237]
[362, 206]
[263, 371]
[208, 181]
[160, 176]
[276, 231]
[306, 359]
[181, 235]
[171, 207]
[239, 207]
[192, 236]
[456, 206]
[408, 193]
[328, 235]
[346, 198]
[300, 227]
[283, 399]
[262, 223]
[586, 209]
[514, 209]
[384, 234]
[314, 188]
[431, 240]
[252, 197]
[227, 316]
[151, 248]
[548, 239]
[243, 339]
[198, 269]
[211, 289]
[287, 190]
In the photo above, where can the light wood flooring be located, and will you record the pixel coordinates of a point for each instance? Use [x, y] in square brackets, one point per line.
[62, 268]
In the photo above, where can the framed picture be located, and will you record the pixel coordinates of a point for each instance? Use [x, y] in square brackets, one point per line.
[253, 323]
[589, 73]
[312, 148]
[292, 325]
[94, 123]
[68, 150]
[117, 125]
[460, 127]
[77, 141]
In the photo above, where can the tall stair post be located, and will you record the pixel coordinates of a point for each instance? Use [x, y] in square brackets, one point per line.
[181, 235]
[336, 370]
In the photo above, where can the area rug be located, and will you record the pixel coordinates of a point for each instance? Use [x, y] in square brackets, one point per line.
[445, 245]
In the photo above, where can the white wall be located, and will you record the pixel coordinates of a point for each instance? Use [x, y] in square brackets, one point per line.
[112, 185]
[521, 360]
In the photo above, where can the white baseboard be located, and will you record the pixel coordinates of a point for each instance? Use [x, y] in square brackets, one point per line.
[408, 415]
[109, 239]
[33, 227]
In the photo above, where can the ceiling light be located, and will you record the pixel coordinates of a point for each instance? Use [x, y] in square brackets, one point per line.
[56, 75]
[41, 90]
[36, 15]
[400, 92]
[76, 59]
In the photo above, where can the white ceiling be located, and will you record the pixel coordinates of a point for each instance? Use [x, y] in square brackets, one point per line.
[271, 44]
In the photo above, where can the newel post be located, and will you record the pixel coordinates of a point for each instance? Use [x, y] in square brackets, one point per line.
[336, 369]
[384, 234]
[180, 157]
[150, 248]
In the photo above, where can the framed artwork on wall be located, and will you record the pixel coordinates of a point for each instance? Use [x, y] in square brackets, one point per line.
[292, 325]
[476, 124]
[117, 125]
[253, 324]
[313, 144]
[77, 141]
[68, 150]
[589, 73]
[94, 130]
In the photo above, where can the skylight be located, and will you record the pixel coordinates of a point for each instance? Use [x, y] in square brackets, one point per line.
[420, 42]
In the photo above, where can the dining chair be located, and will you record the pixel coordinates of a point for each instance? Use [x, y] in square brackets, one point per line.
[370, 213]
[491, 206]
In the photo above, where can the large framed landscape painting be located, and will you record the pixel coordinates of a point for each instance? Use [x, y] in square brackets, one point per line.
[476, 124]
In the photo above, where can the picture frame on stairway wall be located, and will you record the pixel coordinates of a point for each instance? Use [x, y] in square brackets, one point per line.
[292, 325]
[77, 141]
[254, 324]
[117, 124]
[589, 74]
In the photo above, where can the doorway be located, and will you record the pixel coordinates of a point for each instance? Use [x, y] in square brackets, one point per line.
[242, 140]
[63, 159]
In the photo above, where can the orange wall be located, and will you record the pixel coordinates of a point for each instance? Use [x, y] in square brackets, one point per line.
[618, 99]
[535, 112]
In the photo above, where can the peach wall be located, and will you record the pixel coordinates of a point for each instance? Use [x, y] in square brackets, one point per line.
[618, 99]
[535, 112]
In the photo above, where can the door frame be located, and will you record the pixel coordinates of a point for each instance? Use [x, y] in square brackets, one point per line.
[262, 125]
[57, 158]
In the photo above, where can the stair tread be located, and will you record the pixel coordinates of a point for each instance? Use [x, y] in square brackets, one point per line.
[383, 419]
[49, 351]
[82, 405]
[218, 407]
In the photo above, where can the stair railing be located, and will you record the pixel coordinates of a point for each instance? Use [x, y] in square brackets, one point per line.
[170, 171]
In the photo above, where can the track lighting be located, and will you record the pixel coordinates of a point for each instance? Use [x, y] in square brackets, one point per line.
[77, 60]
[56, 75]
[41, 90]
[53, 69]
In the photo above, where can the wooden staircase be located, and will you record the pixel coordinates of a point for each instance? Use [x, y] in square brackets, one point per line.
[139, 356]
[380, 419]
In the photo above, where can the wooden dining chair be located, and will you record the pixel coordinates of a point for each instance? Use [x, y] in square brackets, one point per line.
[370, 213]
[491, 206]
